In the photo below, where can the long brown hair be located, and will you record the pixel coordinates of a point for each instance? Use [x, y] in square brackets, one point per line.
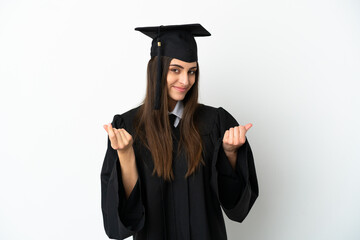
[153, 126]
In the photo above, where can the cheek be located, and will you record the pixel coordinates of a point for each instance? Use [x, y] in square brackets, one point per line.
[192, 80]
[168, 82]
[170, 79]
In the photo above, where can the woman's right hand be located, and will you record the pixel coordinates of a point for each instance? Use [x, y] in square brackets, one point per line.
[120, 139]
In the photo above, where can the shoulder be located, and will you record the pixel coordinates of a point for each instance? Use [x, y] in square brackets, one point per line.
[210, 117]
[206, 111]
[125, 120]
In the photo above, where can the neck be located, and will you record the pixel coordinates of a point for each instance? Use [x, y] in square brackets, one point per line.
[172, 104]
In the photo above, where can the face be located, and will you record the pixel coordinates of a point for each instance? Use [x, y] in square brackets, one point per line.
[180, 78]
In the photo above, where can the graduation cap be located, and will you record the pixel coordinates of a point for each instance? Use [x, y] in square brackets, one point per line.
[175, 41]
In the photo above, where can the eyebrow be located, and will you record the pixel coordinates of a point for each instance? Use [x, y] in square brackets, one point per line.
[176, 65]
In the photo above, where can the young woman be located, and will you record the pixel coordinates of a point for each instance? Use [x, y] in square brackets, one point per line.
[172, 162]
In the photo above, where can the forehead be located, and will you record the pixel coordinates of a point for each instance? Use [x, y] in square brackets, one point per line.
[183, 64]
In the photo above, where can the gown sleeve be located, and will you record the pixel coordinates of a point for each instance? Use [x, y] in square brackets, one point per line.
[236, 189]
[122, 217]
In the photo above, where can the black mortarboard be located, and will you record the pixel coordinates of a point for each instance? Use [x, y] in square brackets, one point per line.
[175, 41]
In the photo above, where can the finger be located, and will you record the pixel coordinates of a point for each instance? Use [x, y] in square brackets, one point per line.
[127, 135]
[248, 126]
[119, 138]
[112, 136]
[231, 135]
[226, 136]
[124, 139]
[242, 134]
[236, 135]
[110, 130]
[105, 127]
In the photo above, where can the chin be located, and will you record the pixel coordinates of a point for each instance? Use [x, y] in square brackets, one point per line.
[179, 98]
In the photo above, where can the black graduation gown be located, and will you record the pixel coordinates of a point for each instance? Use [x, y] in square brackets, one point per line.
[183, 208]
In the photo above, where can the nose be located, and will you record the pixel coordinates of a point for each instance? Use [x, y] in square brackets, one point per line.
[184, 79]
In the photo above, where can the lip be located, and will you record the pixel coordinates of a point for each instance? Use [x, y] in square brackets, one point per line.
[180, 89]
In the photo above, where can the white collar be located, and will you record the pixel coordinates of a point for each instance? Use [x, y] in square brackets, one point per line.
[178, 112]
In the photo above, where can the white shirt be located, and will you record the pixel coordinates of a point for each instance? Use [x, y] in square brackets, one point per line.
[178, 111]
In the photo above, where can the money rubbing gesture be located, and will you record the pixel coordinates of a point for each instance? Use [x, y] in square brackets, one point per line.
[122, 142]
[233, 139]
[120, 139]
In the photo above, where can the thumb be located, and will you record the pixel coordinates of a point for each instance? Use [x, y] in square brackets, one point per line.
[248, 126]
[105, 126]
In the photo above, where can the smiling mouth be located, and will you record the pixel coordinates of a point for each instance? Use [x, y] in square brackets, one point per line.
[180, 89]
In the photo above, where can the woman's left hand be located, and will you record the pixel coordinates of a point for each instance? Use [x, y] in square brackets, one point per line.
[233, 139]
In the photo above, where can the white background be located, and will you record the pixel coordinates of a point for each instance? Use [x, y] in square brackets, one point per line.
[289, 67]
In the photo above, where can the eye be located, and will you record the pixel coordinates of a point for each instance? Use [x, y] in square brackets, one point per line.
[192, 72]
[175, 70]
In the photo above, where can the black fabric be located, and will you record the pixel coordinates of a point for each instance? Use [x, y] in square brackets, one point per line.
[177, 41]
[172, 118]
[183, 208]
